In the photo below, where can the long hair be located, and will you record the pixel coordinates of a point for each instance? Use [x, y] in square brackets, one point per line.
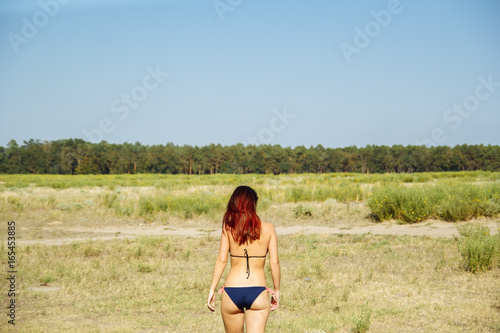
[240, 218]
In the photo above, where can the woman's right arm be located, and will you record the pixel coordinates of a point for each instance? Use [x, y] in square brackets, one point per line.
[220, 264]
[274, 261]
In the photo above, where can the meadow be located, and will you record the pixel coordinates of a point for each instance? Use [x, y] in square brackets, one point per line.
[286, 199]
[330, 283]
[160, 284]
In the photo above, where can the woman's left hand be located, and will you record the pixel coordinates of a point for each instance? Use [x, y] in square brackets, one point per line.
[275, 300]
[211, 301]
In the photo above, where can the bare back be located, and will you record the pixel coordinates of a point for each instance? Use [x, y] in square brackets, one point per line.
[237, 276]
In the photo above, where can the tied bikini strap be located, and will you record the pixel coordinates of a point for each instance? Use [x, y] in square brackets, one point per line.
[269, 290]
[248, 263]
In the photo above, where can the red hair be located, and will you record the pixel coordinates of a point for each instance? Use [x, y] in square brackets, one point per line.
[240, 218]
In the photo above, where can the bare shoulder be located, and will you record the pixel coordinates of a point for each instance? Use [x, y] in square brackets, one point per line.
[267, 227]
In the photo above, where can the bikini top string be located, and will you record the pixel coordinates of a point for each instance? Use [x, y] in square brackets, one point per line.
[248, 263]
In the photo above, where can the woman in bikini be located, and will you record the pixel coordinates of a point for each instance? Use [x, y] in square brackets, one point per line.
[247, 239]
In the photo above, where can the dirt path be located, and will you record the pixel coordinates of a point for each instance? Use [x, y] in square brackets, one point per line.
[432, 229]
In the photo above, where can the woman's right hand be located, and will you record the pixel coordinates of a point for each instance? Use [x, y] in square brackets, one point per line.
[275, 300]
[211, 301]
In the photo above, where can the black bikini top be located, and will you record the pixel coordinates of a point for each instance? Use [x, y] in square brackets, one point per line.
[248, 264]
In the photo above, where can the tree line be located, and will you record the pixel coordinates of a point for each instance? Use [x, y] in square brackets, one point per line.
[76, 156]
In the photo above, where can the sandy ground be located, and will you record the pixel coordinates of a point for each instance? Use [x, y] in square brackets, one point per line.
[431, 229]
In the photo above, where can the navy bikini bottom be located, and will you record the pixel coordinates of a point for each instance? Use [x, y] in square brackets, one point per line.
[243, 297]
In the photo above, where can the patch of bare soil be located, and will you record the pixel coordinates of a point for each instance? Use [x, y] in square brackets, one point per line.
[431, 229]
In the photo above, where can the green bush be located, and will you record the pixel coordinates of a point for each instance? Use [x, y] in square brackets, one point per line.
[302, 211]
[361, 322]
[48, 202]
[126, 209]
[107, 199]
[409, 204]
[78, 206]
[477, 247]
[450, 202]
[64, 206]
[146, 206]
[462, 202]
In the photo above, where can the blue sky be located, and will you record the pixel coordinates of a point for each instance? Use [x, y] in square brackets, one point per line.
[336, 73]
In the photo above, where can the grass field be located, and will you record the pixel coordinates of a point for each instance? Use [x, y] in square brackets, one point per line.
[285, 199]
[330, 283]
[160, 284]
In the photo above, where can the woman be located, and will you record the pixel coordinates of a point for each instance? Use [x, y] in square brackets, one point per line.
[245, 297]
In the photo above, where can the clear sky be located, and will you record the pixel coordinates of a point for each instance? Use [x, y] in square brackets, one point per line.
[288, 72]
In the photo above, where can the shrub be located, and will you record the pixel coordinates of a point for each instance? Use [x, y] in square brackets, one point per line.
[48, 202]
[146, 206]
[410, 205]
[477, 247]
[458, 204]
[302, 211]
[64, 206]
[361, 322]
[127, 209]
[107, 199]
[77, 206]
[449, 202]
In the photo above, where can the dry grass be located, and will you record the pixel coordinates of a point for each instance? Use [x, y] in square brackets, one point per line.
[159, 284]
[153, 284]
[181, 200]
[45, 211]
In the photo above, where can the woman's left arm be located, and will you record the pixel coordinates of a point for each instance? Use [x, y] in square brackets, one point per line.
[220, 265]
